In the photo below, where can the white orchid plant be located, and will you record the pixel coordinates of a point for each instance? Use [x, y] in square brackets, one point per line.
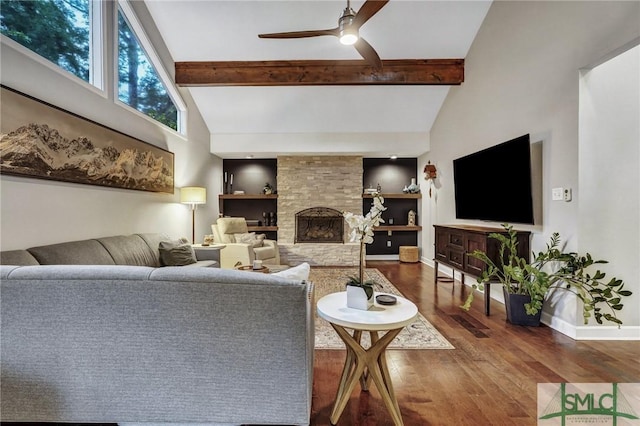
[362, 232]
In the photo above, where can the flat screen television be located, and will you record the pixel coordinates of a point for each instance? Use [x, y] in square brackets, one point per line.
[495, 184]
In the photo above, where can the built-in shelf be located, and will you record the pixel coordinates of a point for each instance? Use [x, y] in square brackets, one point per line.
[397, 228]
[391, 196]
[262, 228]
[247, 196]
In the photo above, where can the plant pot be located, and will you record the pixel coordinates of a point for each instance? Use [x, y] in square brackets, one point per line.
[516, 312]
[357, 298]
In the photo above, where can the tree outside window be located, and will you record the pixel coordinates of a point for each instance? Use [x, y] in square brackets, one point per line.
[138, 83]
[60, 31]
[57, 30]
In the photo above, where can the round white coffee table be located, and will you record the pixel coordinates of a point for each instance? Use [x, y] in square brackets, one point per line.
[366, 364]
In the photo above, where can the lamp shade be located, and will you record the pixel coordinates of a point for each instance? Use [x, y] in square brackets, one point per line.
[193, 195]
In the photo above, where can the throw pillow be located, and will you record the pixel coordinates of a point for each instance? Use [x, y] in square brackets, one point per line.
[176, 253]
[248, 238]
[300, 272]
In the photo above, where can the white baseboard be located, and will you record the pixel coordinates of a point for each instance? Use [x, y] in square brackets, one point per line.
[591, 332]
[383, 257]
[428, 262]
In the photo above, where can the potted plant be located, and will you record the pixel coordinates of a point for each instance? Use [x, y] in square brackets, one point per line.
[362, 232]
[550, 270]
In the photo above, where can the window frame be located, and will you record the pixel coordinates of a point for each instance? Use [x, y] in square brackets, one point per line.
[97, 45]
[97, 62]
[128, 13]
[103, 59]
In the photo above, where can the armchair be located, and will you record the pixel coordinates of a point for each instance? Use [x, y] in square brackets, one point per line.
[233, 232]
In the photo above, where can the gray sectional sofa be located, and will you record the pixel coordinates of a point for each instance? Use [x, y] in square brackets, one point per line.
[116, 338]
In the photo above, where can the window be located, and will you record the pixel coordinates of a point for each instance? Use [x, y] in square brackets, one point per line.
[57, 30]
[138, 83]
[71, 35]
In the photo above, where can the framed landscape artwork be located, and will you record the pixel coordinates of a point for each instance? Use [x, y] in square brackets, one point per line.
[39, 140]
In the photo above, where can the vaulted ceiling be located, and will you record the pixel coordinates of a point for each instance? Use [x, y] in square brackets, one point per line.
[369, 120]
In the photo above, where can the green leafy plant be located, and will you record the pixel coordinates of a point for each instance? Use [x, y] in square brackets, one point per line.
[367, 286]
[551, 269]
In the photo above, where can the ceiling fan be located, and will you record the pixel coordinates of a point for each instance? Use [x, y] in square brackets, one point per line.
[347, 30]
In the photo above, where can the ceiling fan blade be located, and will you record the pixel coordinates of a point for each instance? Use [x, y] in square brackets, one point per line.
[368, 53]
[302, 34]
[368, 9]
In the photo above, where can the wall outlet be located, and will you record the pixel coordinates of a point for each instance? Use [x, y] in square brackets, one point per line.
[567, 194]
[557, 194]
[388, 243]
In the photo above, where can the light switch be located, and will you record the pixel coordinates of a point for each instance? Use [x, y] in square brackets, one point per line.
[557, 194]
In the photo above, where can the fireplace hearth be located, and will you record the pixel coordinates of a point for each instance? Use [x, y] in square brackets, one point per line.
[319, 225]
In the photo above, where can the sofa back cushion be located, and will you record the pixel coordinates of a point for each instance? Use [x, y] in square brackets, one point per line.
[17, 257]
[153, 241]
[85, 252]
[130, 250]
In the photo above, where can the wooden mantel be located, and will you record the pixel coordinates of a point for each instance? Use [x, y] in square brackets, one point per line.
[320, 72]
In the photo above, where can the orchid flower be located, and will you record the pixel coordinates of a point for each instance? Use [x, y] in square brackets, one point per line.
[362, 227]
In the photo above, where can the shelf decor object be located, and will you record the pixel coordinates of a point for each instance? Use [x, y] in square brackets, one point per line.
[193, 195]
[430, 174]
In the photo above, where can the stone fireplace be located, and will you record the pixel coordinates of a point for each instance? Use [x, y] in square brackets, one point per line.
[306, 182]
[319, 225]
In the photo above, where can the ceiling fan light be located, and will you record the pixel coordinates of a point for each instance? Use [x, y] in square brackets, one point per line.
[348, 38]
[348, 33]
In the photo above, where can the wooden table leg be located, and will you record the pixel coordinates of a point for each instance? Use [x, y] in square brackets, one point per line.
[371, 361]
[487, 298]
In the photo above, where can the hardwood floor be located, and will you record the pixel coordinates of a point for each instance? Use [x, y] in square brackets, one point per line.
[491, 376]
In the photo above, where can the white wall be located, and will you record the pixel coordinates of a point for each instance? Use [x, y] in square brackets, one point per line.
[36, 212]
[522, 76]
[609, 205]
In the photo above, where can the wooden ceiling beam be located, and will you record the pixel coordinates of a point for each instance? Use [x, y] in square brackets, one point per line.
[320, 72]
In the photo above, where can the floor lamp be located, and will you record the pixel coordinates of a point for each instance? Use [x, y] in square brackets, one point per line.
[193, 195]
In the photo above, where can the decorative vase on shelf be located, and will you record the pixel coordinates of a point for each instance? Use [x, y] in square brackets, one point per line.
[268, 189]
[357, 298]
[413, 188]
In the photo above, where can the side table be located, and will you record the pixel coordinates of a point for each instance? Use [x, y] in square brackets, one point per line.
[362, 364]
[211, 252]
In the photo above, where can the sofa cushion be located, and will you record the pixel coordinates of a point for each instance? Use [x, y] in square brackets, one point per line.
[203, 264]
[17, 257]
[176, 253]
[86, 252]
[299, 272]
[153, 241]
[129, 250]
